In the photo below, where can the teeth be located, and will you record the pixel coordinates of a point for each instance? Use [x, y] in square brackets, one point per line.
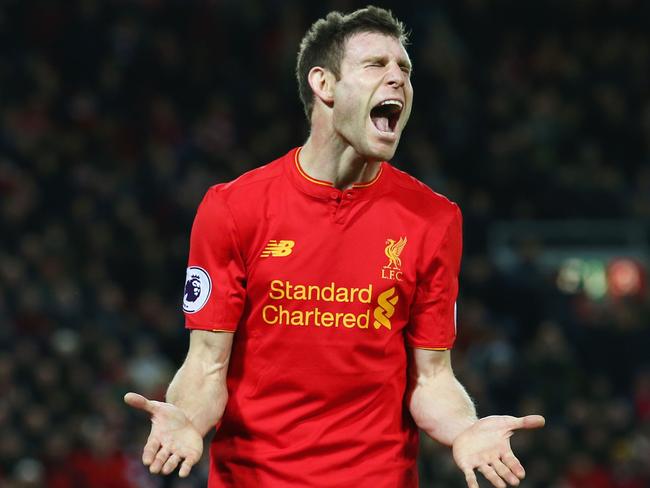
[392, 102]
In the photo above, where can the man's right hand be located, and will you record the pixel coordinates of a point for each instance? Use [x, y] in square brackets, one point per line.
[173, 439]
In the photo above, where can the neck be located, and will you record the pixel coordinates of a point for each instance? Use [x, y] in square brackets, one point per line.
[325, 156]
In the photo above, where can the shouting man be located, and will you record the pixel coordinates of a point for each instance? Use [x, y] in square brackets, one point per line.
[322, 299]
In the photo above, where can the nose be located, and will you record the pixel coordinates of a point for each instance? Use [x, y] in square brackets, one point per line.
[395, 75]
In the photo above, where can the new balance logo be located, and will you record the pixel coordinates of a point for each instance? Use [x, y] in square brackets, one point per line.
[278, 249]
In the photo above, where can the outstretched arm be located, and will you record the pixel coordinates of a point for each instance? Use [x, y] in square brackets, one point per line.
[199, 386]
[442, 408]
[196, 399]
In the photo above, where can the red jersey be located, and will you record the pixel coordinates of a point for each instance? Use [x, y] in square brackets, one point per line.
[324, 290]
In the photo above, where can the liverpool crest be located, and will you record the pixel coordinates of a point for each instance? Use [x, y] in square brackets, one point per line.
[393, 270]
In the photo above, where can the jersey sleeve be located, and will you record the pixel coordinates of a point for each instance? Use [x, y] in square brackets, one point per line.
[432, 323]
[214, 293]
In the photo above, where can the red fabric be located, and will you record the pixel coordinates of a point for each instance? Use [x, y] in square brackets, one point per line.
[324, 288]
[101, 472]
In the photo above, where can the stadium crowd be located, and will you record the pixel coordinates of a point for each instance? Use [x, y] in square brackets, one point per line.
[116, 116]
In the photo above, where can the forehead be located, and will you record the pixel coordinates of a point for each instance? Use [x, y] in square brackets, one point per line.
[364, 45]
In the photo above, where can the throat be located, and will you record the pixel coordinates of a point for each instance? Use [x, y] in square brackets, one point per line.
[340, 169]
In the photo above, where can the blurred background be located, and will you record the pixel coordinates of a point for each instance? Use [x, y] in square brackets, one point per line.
[117, 115]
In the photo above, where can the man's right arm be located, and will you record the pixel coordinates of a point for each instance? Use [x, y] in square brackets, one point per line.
[196, 399]
[199, 386]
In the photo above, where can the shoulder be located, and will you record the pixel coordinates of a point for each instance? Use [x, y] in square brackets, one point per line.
[418, 196]
[256, 177]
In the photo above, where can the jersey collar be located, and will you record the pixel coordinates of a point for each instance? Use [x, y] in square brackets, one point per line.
[325, 189]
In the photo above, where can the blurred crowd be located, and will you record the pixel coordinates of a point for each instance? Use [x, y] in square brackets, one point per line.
[116, 116]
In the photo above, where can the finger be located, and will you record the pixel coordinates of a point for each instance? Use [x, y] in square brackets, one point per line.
[159, 460]
[136, 400]
[171, 464]
[187, 465]
[150, 450]
[491, 475]
[530, 422]
[514, 465]
[470, 478]
[504, 472]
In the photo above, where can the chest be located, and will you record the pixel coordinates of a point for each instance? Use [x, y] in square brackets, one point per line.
[340, 265]
[354, 244]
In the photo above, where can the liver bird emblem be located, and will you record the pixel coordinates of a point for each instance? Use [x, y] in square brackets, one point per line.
[393, 250]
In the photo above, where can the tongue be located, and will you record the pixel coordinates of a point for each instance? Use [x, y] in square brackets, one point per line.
[381, 123]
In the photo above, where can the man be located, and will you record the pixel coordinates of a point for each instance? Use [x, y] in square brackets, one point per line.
[321, 295]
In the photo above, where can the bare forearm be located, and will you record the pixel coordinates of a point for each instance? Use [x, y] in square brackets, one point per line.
[199, 386]
[441, 407]
[200, 391]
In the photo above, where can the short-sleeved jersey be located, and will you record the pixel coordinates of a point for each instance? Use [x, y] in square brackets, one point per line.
[324, 290]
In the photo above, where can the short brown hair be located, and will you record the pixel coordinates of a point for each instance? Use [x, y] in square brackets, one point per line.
[324, 43]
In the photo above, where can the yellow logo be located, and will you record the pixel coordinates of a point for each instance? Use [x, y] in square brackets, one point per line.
[385, 308]
[392, 271]
[278, 249]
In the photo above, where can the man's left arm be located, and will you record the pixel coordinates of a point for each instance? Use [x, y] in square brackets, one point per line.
[442, 408]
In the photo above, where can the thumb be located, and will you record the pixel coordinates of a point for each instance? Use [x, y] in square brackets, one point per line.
[530, 422]
[136, 400]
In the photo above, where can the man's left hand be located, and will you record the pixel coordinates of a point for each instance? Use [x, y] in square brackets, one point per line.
[486, 446]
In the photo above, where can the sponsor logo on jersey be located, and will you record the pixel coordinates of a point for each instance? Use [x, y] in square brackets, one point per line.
[292, 304]
[393, 270]
[278, 249]
[385, 308]
[198, 286]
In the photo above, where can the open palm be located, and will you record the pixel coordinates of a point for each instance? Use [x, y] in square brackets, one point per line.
[485, 446]
[173, 439]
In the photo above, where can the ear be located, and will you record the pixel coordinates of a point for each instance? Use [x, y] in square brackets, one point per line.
[322, 83]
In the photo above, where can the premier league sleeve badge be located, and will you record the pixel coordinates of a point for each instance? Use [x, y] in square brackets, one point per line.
[198, 286]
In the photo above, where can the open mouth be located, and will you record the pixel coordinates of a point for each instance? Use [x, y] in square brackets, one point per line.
[385, 115]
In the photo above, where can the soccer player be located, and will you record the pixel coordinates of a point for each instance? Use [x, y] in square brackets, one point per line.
[320, 294]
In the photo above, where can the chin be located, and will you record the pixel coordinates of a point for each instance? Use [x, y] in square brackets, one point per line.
[380, 146]
[386, 155]
[382, 151]
[376, 147]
